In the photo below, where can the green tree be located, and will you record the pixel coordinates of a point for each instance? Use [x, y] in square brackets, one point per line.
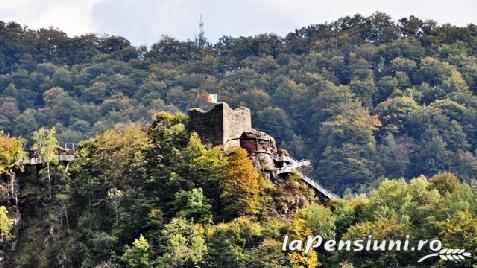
[8, 113]
[46, 147]
[183, 244]
[229, 243]
[267, 255]
[108, 202]
[193, 205]
[318, 219]
[394, 113]
[382, 229]
[395, 155]
[345, 166]
[138, 255]
[433, 155]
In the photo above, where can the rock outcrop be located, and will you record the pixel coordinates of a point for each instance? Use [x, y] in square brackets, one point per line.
[233, 127]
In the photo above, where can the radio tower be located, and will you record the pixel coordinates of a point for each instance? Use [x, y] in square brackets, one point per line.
[201, 41]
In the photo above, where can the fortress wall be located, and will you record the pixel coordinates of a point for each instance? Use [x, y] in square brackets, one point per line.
[221, 125]
[209, 125]
[236, 122]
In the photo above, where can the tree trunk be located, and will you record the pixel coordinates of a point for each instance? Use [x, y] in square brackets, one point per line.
[116, 207]
[67, 221]
[49, 178]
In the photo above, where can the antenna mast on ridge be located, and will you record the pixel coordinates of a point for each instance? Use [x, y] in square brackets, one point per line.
[201, 41]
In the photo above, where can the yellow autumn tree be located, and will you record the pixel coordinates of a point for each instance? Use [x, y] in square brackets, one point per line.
[460, 231]
[4, 223]
[310, 221]
[11, 150]
[299, 230]
[444, 182]
[241, 185]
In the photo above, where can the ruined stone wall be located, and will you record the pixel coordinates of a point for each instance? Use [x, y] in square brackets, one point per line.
[208, 124]
[221, 125]
[236, 122]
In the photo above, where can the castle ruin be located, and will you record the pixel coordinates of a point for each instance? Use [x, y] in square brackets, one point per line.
[221, 125]
[229, 127]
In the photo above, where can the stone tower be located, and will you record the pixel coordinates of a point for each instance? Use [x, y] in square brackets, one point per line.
[221, 125]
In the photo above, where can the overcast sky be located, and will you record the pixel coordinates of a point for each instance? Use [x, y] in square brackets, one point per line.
[145, 21]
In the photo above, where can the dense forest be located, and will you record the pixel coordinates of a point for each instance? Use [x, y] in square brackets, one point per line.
[363, 98]
[158, 197]
[382, 107]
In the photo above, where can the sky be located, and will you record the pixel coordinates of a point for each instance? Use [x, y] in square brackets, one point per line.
[143, 22]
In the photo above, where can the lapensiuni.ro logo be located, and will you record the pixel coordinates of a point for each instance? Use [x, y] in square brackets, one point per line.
[371, 244]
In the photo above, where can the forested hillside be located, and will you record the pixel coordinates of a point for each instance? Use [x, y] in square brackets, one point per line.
[383, 107]
[363, 97]
[157, 197]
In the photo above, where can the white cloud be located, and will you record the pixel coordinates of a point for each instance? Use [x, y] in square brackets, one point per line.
[460, 12]
[72, 16]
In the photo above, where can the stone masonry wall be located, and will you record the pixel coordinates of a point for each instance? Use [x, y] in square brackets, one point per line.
[209, 125]
[236, 122]
[221, 125]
